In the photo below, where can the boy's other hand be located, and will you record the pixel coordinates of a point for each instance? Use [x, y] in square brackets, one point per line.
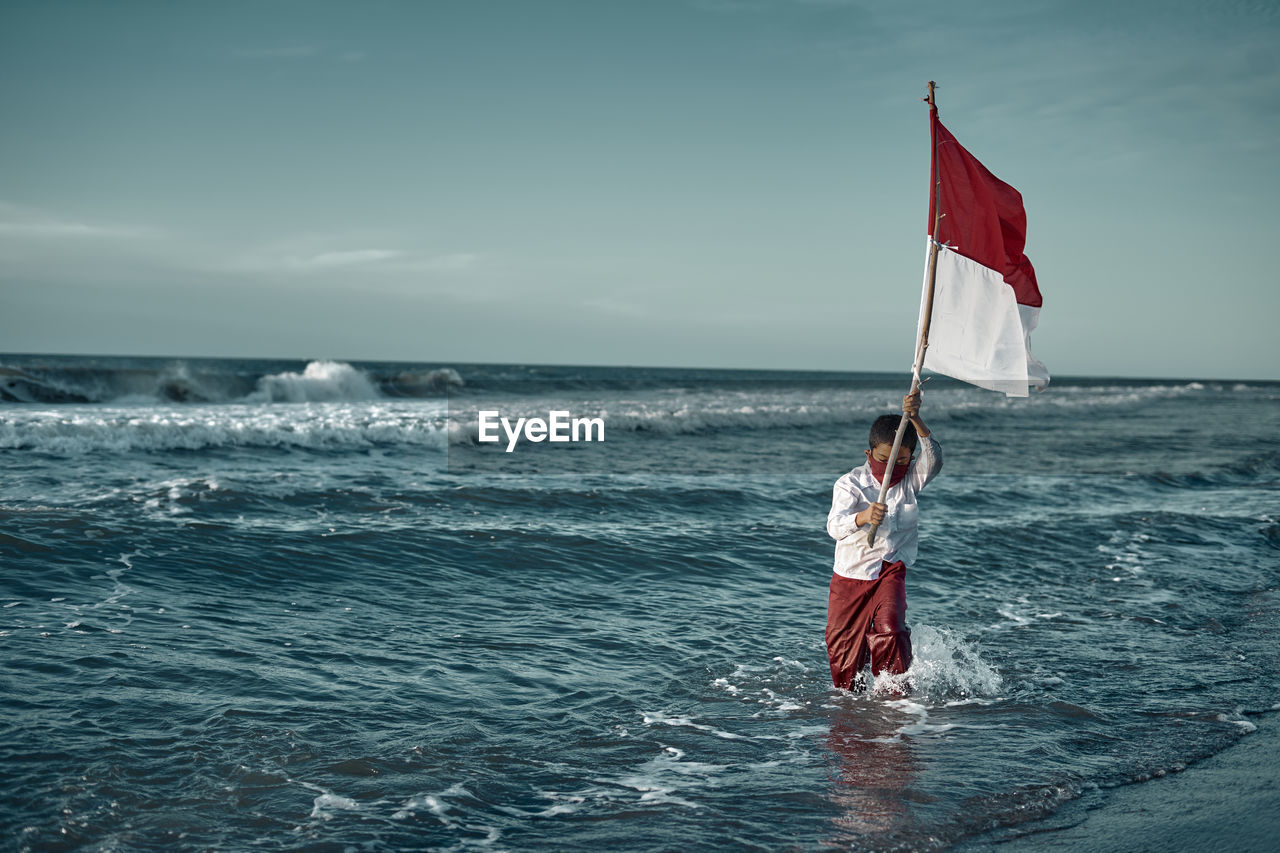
[911, 404]
[873, 514]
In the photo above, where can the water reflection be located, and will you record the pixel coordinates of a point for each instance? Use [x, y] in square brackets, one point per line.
[873, 776]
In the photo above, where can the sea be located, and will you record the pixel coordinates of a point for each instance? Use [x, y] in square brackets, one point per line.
[292, 605]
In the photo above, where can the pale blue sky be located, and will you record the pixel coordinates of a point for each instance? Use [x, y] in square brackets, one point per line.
[726, 183]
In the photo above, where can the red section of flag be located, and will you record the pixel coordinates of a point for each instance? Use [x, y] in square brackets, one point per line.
[983, 218]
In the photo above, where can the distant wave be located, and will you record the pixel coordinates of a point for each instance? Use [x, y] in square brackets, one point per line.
[320, 382]
[223, 382]
[420, 383]
[137, 380]
[716, 410]
[340, 407]
[321, 427]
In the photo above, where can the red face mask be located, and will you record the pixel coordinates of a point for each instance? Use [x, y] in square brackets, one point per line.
[877, 468]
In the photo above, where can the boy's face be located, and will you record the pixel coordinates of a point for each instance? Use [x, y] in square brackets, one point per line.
[881, 452]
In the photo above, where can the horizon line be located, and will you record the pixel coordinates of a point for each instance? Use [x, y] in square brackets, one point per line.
[438, 363]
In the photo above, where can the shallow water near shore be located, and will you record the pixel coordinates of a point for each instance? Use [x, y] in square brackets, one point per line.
[270, 605]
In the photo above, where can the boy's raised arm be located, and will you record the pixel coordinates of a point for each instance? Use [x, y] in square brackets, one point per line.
[930, 461]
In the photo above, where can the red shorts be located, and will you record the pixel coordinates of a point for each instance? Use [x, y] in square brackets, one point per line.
[866, 620]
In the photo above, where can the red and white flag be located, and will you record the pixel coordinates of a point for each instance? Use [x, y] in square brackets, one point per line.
[985, 298]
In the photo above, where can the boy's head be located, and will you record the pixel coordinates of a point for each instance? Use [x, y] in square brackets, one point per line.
[880, 441]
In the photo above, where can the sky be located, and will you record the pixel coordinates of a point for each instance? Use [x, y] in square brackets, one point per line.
[702, 183]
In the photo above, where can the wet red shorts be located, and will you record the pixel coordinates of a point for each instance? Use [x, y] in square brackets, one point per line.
[866, 620]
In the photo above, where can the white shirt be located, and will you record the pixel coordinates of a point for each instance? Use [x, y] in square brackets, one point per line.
[898, 536]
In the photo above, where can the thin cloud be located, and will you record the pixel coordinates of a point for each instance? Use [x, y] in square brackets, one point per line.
[357, 257]
[315, 255]
[19, 221]
[286, 261]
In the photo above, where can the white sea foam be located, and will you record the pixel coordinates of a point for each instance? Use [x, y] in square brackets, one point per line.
[724, 684]
[319, 382]
[944, 666]
[450, 814]
[782, 685]
[327, 803]
[661, 718]
[428, 802]
[77, 430]
[665, 779]
[1246, 726]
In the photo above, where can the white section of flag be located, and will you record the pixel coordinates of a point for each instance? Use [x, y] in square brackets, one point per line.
[979, 333]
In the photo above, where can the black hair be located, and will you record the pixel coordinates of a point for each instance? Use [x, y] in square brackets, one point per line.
[886, 427]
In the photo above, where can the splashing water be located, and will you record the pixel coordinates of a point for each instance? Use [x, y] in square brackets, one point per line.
[944, 666]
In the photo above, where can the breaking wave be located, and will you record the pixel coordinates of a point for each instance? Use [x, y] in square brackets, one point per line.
[320, 382]
[671, 412]
[329, 426]
[146, 381]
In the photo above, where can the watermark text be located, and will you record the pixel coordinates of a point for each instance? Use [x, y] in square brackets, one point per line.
[558, 426]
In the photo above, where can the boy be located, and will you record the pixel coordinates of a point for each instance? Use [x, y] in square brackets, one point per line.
[866, 610]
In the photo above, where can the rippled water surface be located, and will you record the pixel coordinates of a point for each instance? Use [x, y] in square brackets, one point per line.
[279, 606]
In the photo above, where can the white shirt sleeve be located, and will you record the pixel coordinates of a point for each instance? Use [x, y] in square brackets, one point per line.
[929, 463]
[846, 503]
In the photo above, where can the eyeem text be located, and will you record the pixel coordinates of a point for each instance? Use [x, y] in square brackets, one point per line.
[558, 426]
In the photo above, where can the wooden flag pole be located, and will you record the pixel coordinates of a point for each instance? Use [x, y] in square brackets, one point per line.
[923, 343]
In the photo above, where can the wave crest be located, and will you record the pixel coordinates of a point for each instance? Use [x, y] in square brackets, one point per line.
[323, 426]
[319, 382]
[142, 381]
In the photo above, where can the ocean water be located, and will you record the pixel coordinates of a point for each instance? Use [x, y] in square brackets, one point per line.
[279, 605]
